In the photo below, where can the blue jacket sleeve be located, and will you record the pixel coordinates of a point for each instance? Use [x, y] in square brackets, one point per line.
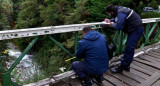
[112, 20]
[119, 25]
[79, 52]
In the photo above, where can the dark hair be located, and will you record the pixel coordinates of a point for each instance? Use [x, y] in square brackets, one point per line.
[86, 29]
[110, 8]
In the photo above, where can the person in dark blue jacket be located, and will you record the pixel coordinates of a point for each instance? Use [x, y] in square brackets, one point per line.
[92, 48]
[128, 21]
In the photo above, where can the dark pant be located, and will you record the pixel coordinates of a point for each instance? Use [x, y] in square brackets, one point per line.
[80, 69]
[131, 44]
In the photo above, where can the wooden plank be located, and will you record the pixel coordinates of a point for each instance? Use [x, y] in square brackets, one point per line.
[149, 68]
[114, 80]
[150, 59]
[141, 69]
[77, 82]
[61, 83]
[54, 79]
[42, 82]
[125, 79]
[151, 80]
[148, 63]
[155, 52]
[147, 58]
[92, 85]
[104, 83]
[138, 73]
[153, 55]
[134, 77]
[74, 82]
[157, 83]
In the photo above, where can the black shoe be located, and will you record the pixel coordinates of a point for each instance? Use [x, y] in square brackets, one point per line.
[119, 69]
[126, 69]
[87, 83]
[99, 78]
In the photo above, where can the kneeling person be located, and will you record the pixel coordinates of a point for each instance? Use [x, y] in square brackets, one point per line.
[92, 48]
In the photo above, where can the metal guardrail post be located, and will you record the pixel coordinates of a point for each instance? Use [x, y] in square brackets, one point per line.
[120, 41]
[124, 41]
[6, 76]
[112, 41]
[148, 33]
[60, 46]
[57, 43]
[156, 36]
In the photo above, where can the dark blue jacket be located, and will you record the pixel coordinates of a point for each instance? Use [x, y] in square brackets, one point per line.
[126, 20]
[93, 49]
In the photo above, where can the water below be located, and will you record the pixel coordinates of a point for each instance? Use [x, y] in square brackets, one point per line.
[27, 66]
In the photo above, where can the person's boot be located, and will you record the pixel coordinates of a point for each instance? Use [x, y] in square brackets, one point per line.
[118, 69]
[99, 78]
[87, 82]
[126, 69]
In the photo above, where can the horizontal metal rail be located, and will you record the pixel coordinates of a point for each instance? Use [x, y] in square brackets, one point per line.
[19, 33]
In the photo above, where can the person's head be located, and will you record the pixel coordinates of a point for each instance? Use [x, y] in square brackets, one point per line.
[86, 29]
[110, 9]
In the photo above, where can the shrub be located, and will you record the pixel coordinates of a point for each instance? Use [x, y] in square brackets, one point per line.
[150, 15]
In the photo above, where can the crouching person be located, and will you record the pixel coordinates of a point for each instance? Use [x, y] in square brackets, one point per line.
[92, 48]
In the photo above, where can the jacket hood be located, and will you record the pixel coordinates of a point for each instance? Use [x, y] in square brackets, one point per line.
[91, 35]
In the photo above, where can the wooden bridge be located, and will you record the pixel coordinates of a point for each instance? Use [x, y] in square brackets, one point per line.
[145, 71]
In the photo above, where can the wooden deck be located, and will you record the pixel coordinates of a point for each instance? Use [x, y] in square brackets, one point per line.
[145, 71]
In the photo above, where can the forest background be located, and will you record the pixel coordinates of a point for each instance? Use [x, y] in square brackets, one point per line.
[20, 14]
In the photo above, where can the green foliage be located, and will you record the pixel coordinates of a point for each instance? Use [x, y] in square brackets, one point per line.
[150, 15]
[121, 2]
[97, 10]
[5, 12]
[29, 15]
[54, 14]
[52, 58]
[153, 4]
[7, 6]
[140, 7]
[22, 43]
[79, 14]
[16, 76]
[3, 46]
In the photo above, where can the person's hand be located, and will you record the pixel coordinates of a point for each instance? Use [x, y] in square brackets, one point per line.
[107, 20]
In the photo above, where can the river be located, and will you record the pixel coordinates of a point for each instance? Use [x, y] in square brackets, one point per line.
[25, 69]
